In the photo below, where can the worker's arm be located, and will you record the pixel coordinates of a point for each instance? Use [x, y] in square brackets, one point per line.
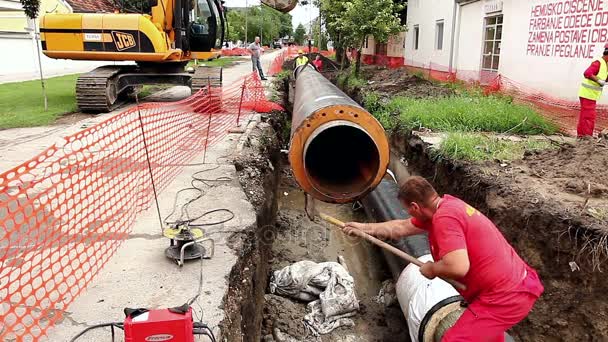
[592, 71]
[385, 230]
[453, 265]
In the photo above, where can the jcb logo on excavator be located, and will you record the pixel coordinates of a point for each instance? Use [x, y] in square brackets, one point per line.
[123, 41]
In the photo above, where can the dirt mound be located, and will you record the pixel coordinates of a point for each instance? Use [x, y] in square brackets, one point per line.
[556, 223]
[399, 82]
[574, 175]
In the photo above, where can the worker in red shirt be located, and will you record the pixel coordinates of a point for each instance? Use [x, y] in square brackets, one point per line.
[318, 63]
[589, 92]
[466, 246]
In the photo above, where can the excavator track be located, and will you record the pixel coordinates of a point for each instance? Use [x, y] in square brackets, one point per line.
[204, 75]
[96, 91]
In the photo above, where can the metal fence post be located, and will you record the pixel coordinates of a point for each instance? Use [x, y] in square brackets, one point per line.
[238, 118]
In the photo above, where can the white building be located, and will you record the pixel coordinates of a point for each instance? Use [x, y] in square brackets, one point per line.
[17, 40]
[539, 46]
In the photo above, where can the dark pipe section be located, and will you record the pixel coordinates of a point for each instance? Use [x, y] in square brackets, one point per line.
[382, 205]
[337, 165]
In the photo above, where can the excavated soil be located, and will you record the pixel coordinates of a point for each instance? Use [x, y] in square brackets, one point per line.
[393, 82]
[551, 206]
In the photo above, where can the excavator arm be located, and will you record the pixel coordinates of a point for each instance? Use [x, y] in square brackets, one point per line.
[281, 5]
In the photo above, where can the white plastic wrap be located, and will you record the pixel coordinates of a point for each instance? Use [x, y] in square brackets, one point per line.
[417, 295]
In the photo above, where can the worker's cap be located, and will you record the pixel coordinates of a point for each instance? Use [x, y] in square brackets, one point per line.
[300, 51]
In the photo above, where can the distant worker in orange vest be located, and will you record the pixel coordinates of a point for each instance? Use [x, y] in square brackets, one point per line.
[318, 63]
[589, 92]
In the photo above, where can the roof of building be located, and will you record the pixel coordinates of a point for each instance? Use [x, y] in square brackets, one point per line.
[94, 6]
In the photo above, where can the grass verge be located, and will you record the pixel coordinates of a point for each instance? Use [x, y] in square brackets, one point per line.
[23, 102]
[465, 113]
[218, 62]
[479, 147]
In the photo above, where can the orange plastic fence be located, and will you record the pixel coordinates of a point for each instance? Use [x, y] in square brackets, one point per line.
[64, 212]
[291, 52]
[235, 52]
[562, 112]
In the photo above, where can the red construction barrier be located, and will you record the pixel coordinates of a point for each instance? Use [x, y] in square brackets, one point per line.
[65, 212]
[236, 52]
[562, 112]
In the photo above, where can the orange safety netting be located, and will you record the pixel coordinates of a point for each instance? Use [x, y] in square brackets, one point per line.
[291, 52]
[64, 212]
[562, 112]
[236, 52]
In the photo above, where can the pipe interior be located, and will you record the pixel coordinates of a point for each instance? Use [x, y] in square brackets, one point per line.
[342, 161]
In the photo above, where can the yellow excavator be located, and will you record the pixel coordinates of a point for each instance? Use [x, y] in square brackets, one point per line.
[161, 40]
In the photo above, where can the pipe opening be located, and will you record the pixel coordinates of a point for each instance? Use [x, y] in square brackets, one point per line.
[341, 159]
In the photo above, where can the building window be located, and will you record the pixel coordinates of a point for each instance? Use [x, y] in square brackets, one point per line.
[492, 40]
[416, 36]
[366, 42]
[439, 35]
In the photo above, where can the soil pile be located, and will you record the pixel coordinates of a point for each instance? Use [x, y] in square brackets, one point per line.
[551, 206]
[392, 82]
[573, 174]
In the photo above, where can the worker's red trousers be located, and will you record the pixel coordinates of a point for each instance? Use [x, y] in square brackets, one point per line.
[586, 120]
[488, 317]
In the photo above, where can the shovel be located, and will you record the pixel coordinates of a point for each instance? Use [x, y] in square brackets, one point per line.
[384, 245]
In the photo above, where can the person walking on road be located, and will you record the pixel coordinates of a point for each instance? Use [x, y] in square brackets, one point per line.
[301, 59]
[256, 53]
[590, 91]
[501, 288]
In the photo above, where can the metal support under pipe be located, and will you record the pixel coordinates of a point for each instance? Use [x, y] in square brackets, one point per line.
[338, 151]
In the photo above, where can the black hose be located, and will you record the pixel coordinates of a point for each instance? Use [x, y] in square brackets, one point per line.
[113, 325]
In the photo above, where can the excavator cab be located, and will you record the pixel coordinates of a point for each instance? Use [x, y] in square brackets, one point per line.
[207, 25]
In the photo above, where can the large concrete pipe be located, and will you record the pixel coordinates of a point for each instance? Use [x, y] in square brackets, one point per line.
[338, 152]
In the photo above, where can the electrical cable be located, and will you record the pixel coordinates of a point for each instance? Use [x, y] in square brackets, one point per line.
[143, 135]
[113, 325]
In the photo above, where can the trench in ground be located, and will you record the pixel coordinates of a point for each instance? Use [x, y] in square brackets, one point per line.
[299, 238]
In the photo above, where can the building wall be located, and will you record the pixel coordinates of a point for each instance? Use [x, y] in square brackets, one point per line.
[22, 61]
[425, 14]
[396, 45]
[370, 47]
[546, 61]
[468, 47]
[534, 57]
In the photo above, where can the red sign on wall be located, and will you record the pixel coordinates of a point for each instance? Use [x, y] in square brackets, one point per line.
[567, 28]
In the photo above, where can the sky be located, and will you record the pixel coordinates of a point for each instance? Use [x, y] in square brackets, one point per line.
[300, 14]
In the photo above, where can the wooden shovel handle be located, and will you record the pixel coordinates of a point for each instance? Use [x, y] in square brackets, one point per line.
[388, 247]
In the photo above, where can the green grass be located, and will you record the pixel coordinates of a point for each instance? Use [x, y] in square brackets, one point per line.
[283, 74]
[23, 103]
[479, 147]
[218, 62]
[465, 113]
[349, 81]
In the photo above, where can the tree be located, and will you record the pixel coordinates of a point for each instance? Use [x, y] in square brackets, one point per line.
[31, 8]
[353, 20]
[299, 34]
[262, 21]
[318, 34]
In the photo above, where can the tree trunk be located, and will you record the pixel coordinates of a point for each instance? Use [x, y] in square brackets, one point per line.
[358, 65]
